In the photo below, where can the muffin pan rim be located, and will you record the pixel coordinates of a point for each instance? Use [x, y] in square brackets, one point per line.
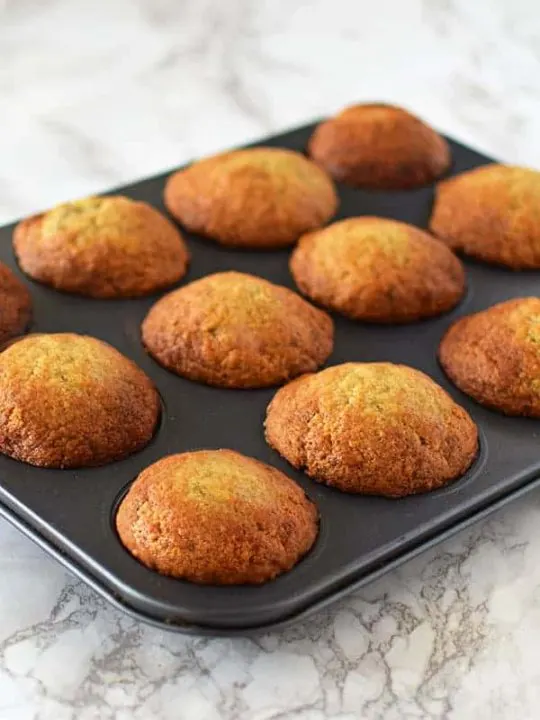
[189, 628]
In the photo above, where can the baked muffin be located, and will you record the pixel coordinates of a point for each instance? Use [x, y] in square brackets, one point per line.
[215, 516]
[236, 330]
[494, 356]
[378, 270]
[492, 214]
[379, 146]
[256, 198]
[71, 401]
[15, 305]
[102, 247]
[373, 428]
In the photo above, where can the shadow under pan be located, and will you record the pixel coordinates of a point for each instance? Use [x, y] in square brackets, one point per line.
[70, 512]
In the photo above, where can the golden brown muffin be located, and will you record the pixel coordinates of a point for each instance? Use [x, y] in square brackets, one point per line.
[257, 198]
[373, 428]
[216, 516]
[15, 305]
[492, 214]
[71, 401]
[237, 330]
[494, 356]
[102, 247]
[378, 270]
[379, 146]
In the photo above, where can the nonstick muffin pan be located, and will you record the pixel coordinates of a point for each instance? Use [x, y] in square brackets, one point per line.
[70, 513]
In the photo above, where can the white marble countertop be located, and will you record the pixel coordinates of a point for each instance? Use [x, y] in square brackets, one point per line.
[95, 93]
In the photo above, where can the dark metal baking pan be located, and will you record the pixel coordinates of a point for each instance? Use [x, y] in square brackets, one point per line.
[70, 512]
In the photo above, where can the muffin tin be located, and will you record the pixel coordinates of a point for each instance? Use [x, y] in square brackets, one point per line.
[70, 512]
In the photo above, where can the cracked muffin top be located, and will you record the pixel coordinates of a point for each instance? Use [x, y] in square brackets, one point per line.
[216, 516]
[491, 213]
[237, 330]
[373, 428]
[494, 356]
[379, 146]
[102, 247]
[378, 270]
[71, 400]
[15, 305]
[255, 198]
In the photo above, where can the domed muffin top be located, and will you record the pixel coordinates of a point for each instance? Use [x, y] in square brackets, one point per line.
[255, 198]
[70, 400]
[491, 213]
[237, 330]
[380, 146]
[216, 516]
[15, 305]
[374, 428]
[494, 356]
[379, 270]
[102, 247]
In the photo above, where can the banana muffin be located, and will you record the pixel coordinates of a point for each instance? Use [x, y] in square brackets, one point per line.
[378, 270]
[379, 146]
[70, 401]
[216, 517]
[492, 214]
[494, 356]
[236, 330]
[103, 247]
[373, 428]
[256, 198]
[15, 305]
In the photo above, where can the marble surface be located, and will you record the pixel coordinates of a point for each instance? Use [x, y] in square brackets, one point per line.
[95, 93]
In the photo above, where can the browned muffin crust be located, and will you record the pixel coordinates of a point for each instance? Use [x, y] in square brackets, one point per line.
[102, 247]
[256, 198]
[378, 270]
[70, 401]
[379, 146]
[494, 356]
[492, 214]
[236, 330]
[373, 428]
[15, 305]
[216, 516]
